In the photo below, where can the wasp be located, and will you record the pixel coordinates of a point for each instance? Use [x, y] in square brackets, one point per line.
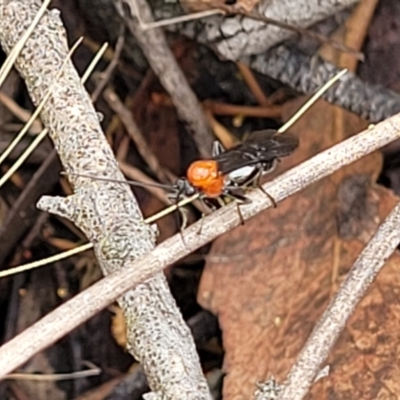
[226, 172]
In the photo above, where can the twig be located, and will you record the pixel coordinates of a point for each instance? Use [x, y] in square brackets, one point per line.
[55, 377]
[178, 20]
[332, 322]
[218, 108]
[83, 306]
[252, 83]
[155, 47]
[20, 113]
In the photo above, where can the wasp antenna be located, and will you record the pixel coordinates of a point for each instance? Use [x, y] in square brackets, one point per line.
[311, 102]
[126, 182]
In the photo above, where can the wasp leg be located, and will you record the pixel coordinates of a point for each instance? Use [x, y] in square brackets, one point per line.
[184, 218]
[207, 205]
[240, 199]
[182, 212]
[182, 223]
[257, 183]
[271, 199]
[240, 214]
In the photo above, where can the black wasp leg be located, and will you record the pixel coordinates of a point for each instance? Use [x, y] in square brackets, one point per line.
[256, 182]
[240, 199]
[240, 214]
[208, 205]
[272, 200]
[259, 186]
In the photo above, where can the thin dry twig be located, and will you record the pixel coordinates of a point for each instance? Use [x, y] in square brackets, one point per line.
[218, 108]
[334, 318]
[55, 377]
[68, 316]
[252, 83]
[20, 113]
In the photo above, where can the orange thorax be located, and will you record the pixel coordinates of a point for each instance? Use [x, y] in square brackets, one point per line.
[204, 175]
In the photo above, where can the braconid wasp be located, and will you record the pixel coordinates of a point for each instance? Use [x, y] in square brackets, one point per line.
[228, 173]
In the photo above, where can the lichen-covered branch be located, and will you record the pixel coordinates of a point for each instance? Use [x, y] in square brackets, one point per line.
[106, 212]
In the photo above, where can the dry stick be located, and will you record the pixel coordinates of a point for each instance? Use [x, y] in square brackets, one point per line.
[19, 112]
[77, 310]
[253, 85]
[333, 320]
[218, 108]
[107, 213]
[55, 377]
[180, 19]
[163, 63]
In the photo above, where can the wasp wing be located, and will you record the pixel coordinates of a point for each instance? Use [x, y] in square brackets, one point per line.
[261, 147]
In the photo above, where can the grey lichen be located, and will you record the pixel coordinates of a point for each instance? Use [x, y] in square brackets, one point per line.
[106, 212]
